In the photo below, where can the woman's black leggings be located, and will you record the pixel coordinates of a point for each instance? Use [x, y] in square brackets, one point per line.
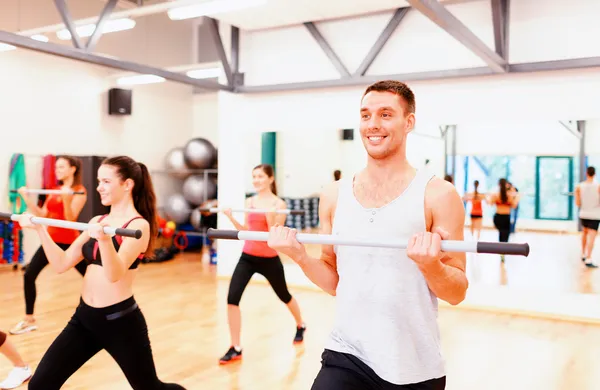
[119, 329]
[38, 262]
[269, 267]
[502, 223]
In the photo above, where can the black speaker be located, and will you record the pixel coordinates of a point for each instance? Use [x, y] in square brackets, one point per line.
[93, 206]
[119, 101]
[347, 134]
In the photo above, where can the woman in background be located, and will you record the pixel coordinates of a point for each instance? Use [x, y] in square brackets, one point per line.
[21, 371]
[505, 201]
[258, 257]
[64, 206]
[476, 198]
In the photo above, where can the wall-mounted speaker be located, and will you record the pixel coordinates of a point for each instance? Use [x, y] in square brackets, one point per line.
[119, 101]
[347, 134]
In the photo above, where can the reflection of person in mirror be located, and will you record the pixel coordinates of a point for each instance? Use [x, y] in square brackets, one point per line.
[209, 220]
[337, 175]
[587, 198]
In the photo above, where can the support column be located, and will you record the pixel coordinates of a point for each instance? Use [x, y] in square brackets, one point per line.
[269, 149]
[582, 160]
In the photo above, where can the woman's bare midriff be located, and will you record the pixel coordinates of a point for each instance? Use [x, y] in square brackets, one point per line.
[99, 292]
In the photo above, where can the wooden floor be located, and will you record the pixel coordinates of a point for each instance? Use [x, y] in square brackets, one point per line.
[184, 304]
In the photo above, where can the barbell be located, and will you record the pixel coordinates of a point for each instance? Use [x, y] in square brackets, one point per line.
[503, 248]
[49, 192]
[276, 211]
[75, 225]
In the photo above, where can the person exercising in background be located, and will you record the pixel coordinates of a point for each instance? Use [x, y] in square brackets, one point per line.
[476, 198]
[587, 198]
[68, 172]
[337, 175]
[505, 201]
[514, 214]
[208, 220]
[21, 371]
[385, 333]
[258, 257]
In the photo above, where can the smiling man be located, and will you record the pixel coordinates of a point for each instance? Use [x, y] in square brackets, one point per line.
[385, 334]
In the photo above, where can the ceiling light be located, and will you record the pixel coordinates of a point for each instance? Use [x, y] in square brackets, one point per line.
[140, 79]
[88, 29]
[212, 7]
[39, 37]
[6, 47]
[204, 73]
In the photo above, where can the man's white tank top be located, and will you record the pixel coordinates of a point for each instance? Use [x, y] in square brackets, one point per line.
[386, 315]
[590, 200]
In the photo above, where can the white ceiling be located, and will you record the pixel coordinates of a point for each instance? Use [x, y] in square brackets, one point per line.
[280, 13]
[19, 15]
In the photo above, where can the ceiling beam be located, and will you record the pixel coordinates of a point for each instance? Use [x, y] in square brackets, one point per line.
[365, 80]
[65, 15]
[381, 41]
[439, 15]
[501, 22]
[335, 60]
[91, 58]
[104, 16]
[218, 42]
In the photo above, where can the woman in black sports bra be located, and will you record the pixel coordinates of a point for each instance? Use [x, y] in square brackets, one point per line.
[107, 318]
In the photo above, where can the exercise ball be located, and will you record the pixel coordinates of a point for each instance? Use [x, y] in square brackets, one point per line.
[177, 208]
[196, 219]
[175, 163]
[194, 188]
[199, 153]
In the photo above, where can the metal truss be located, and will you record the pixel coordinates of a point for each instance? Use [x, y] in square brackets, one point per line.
[496, 60]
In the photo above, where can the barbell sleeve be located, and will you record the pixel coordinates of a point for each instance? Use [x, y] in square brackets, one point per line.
[75, 225]
[276, 211]
[504, 248]
[49, 192]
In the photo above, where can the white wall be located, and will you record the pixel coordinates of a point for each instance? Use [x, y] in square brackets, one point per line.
[206, 117]
[53, 105]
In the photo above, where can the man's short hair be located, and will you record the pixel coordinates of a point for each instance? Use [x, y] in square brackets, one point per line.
[397, 88]
[591, 171]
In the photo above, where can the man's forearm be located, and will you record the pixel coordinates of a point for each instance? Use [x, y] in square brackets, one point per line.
[447, 283]
[320, 273]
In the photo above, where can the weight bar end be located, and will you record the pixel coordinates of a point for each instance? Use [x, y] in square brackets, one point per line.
[503, 248]
[297, 212]
[222, 234]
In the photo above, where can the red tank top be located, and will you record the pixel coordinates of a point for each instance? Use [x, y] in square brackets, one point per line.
[258, 222]
[476, 209]
[56, 210]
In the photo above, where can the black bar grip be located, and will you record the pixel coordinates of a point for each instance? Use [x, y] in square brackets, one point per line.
[204, 209]
[297, 212]
[129, 233]
[503, 248]
[6, 215]
[222, 234]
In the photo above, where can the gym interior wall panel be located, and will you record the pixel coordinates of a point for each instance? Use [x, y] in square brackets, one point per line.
[206, 116]
[526, 137]
[592, 136]
[552, 30]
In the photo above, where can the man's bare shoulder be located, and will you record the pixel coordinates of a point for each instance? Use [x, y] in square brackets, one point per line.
[442, 193]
